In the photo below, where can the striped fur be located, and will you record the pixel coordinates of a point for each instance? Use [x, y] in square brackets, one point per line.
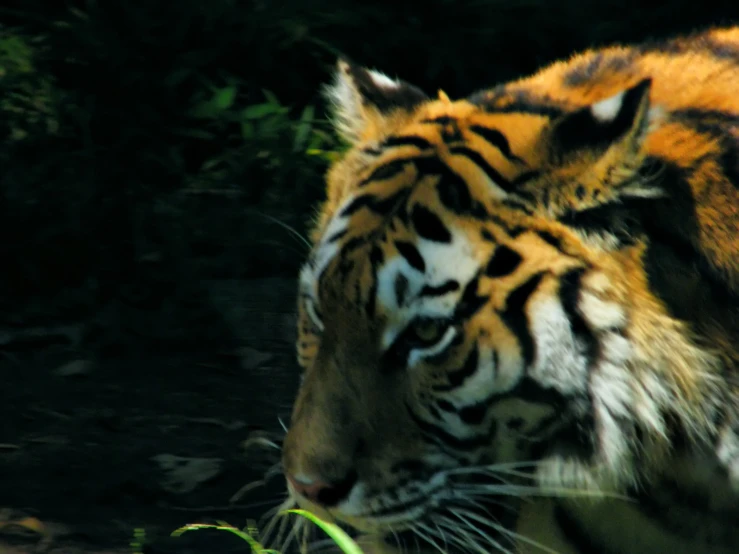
[542, 277]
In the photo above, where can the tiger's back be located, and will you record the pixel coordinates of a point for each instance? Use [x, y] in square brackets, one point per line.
[618, 374]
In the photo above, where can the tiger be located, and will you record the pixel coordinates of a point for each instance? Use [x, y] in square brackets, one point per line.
[518, 323]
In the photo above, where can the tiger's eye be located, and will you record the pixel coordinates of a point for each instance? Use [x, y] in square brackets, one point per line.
[428, 330]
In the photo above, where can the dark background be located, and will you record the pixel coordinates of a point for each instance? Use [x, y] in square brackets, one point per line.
[159, 161]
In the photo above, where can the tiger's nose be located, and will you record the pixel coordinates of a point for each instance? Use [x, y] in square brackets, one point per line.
[325, 494]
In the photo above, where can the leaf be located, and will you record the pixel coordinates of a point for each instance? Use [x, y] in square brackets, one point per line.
[259, 111]
[339, 536]
[304, 128]
[247, 130]
[224, 98]
[271, 98]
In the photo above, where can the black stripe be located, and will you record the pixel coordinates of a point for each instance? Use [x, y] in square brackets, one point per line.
[411, 255]
[616, 219]
[487, 236]
[525, 178]
[517, 205]
[569, 296]
[663, 504]
[351, 245]
[502, 100]
[474, 414]
[515, 317]
[336, 236]
[392, 203]
[386, 171]
[400, 287]
[576, 535]
[444, 288]
[531, 391]
[429, 225]
[527, 390]
[698, 42]
[550, 239]
[496, 139]
[376, 257]
[439, 436]
[446, 406]
[584, 71]
[722, 50]
[451, 133]
[407, 140]
[441, 120]
[346, 266]
[363, 201]
[456, 197]
[482, 163]
[380, 206]
[729, 161]
[452, 189]
[692, 116]
[551, 112]
[372, 151]
[672, 259]
[457, 377]
[504, 262]
[470, 303]
[370, 304]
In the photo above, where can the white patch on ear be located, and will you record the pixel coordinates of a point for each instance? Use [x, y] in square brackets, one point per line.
[383, 81]
[607, 110]
[346, 101]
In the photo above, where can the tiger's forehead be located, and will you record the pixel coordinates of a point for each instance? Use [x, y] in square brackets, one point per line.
[415, 192]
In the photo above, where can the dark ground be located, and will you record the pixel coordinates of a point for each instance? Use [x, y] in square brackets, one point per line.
[78, 441]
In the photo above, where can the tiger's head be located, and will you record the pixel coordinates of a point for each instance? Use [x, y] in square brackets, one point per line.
[471, 315]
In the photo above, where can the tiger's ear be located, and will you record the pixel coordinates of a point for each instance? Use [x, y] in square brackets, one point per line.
[601, 145]
[366, 102]
[619, 122]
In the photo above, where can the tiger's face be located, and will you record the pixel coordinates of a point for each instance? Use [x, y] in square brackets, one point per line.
[460, 344]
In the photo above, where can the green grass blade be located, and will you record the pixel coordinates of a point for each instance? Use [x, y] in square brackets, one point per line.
[342, 540]
[256, 547]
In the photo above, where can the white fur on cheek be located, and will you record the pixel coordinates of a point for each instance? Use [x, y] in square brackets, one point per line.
[560, 363]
